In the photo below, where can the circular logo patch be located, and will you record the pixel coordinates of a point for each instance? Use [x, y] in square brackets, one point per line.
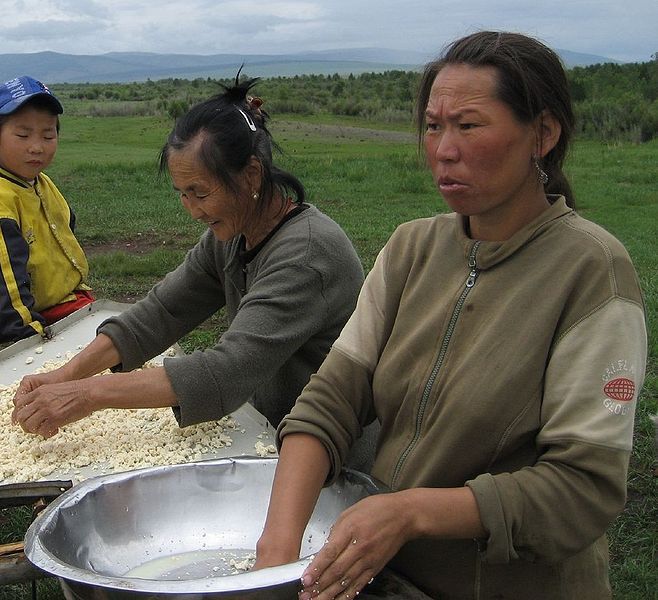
[621, 389]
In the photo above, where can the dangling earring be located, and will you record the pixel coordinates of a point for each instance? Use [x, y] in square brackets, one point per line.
[541, 174]
[255, 195]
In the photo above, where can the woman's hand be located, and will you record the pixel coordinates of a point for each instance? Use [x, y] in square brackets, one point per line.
[49, 406]
[29, 383]
[363, 539]
[43, 404]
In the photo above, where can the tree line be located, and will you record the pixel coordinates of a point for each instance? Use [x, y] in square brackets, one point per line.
[613, 102]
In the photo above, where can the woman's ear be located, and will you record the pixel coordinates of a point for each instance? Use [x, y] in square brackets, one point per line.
[548, 130]
[253, 174]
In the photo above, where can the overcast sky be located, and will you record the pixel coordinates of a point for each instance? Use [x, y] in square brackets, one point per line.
[622, 30]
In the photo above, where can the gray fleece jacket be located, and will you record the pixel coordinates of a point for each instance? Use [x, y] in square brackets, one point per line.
[285, 309]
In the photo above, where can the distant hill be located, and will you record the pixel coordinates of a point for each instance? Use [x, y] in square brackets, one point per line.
[120, 67]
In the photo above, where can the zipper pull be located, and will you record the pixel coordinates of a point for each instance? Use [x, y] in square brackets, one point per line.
[470, 282]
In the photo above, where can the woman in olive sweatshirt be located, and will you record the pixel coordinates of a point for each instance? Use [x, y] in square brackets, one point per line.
[501, 347]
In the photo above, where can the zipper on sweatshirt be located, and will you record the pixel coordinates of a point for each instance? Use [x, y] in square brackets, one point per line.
[456, 311]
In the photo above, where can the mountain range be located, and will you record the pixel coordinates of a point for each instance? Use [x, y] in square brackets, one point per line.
[121, 67]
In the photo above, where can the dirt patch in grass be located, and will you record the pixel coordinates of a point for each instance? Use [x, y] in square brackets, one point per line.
[142, 243]
[139, 244]
[342, 131]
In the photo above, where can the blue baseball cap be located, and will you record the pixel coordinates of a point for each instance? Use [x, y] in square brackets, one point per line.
[15, 92]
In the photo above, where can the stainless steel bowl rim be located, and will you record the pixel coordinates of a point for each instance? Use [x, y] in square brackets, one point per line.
[262, 579]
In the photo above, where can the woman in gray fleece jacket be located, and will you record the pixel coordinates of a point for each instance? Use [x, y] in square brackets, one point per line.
[287, 275]
[501, 347]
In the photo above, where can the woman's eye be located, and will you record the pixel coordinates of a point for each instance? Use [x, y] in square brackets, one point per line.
[431, 127]
[193, 195]
[466, 125]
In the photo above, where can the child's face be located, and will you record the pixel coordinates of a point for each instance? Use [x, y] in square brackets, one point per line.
[28, 141]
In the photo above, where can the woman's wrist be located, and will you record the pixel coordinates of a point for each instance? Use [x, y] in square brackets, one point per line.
[99, 355]
[450, 513]
[409, 511]
[273, 549]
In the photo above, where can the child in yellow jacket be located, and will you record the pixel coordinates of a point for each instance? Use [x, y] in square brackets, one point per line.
[43, 269]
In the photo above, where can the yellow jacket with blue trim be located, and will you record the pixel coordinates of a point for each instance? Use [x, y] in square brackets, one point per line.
[41, 261]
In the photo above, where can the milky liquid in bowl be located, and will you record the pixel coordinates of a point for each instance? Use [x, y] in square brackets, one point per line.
[198, 564]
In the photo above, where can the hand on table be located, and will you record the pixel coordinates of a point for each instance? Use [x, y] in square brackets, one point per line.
[363, 539]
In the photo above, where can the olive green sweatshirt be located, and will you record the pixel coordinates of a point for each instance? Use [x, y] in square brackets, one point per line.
[510, 367]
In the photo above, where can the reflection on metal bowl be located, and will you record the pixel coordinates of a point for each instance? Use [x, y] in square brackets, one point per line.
[177, 532]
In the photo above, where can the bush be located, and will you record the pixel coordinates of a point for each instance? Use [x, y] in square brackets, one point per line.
[613, 102]
[177, 108]
[630, 119]
[123, 109]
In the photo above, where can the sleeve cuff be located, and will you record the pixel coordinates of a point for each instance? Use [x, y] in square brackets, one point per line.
[289, 425]
[497, 548]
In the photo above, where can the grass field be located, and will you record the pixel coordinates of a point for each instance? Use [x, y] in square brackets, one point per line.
[134, 230]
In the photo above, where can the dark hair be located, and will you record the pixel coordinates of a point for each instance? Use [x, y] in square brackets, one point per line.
[531, 79]
[233, 129]
[40, 103]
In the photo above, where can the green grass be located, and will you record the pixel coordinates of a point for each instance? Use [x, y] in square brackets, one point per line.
[615, 186]
[106, 168]
[85, 140]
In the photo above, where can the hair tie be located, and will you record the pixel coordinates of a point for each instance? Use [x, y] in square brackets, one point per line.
[254, 102]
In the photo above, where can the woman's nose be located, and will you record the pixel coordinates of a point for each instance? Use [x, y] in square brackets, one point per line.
[446, 147]
[191, 207]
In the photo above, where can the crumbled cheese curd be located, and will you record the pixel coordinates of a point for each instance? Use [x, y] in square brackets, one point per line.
[109, 440]
[242, 565]
[264, 450]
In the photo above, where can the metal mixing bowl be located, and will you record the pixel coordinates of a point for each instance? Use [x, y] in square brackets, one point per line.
[172, 532]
